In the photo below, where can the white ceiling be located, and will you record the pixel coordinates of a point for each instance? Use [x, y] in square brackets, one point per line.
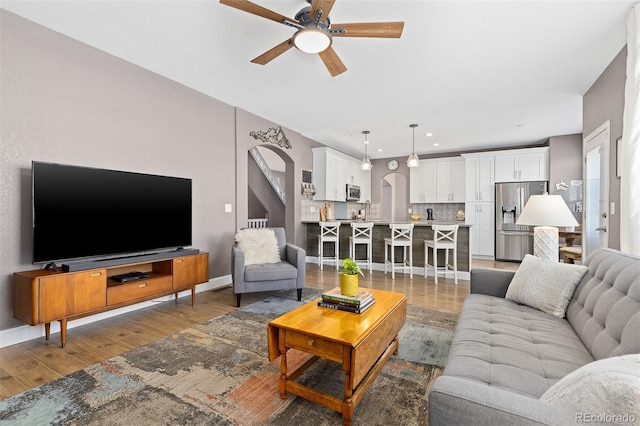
[476, 74]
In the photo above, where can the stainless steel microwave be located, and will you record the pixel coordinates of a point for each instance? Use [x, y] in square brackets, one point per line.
[353, 192]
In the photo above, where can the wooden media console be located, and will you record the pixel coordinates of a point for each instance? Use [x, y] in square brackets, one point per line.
[42, 296]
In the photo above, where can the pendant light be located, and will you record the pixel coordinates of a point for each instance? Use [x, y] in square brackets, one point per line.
[413, 160]
[365, 164]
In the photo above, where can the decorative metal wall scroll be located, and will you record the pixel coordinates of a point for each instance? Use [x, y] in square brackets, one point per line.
[273, 135]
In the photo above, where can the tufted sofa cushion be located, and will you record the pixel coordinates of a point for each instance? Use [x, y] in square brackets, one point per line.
[513, 347]
[605, 308]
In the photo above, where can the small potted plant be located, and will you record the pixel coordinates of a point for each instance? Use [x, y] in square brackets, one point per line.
[349, 277]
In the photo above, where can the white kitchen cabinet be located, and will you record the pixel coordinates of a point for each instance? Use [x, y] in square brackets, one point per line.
[437, 180]
[450, 181]
[479, 177]
[480, 215]
[364, 182]
[422, 188]
[519, 165]
[333, 170]
[327, 172]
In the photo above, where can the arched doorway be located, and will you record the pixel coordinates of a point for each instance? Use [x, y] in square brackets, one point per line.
[270, 183]
[393, 198]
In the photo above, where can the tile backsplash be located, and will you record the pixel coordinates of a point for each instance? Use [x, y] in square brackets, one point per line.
[441, 211]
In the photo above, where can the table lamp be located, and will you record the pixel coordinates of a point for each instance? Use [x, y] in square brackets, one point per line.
[546, 212]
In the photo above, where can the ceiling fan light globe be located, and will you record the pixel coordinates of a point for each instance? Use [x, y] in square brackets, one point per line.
[312, 40]
[413, 161]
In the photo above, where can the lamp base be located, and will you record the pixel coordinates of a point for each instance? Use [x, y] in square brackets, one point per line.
[545, 243]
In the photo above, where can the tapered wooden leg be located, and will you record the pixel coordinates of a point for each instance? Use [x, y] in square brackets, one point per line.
[176, 298]
[47, 330]
[63, 331]
[238, 299]
[299, 294]
[193, 295]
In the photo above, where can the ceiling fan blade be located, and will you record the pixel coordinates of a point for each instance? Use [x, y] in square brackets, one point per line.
[324, 5]
[332, 62]
[369, 29]
[271, 54]
[255, 9]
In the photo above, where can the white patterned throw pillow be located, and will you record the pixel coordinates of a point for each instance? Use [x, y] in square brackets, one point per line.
[545, 285]
[259, 245]
[608, 389]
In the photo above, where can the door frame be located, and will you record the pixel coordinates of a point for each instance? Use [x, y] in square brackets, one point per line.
[590, 142]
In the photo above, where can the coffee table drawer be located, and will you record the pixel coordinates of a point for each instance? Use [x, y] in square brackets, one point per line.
[316, 346]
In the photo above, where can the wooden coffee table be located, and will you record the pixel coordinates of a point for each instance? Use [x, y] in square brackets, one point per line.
[362, 343]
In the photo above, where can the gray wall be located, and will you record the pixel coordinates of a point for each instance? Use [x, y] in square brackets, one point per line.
[63, 101]
[605, 101]
[565, 164]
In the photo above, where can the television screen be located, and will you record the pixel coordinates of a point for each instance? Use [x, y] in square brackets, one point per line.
[81, 212]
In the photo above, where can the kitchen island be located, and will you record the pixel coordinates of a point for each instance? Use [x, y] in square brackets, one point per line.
[422, 231]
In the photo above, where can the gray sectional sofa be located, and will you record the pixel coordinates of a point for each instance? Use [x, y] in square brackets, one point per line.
[505, 355]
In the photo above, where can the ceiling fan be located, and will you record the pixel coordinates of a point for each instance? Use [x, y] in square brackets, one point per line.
[315, 31]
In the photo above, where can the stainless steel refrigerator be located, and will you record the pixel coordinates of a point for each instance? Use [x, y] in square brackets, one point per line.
[514, 241]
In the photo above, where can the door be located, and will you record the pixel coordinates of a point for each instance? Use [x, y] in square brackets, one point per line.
[596, 193]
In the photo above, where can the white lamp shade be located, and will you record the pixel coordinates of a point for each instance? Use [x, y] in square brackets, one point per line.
[547, 210]
[365, 164]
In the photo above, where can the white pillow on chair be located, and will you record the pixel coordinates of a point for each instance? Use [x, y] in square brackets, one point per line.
[259, 245]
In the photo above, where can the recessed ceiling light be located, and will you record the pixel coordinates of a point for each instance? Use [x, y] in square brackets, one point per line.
[436, 144]
[379, 149]
[429, 134]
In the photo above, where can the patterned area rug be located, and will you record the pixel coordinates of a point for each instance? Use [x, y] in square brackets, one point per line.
[218, 373]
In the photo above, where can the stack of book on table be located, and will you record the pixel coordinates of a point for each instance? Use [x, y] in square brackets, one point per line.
[358, 304]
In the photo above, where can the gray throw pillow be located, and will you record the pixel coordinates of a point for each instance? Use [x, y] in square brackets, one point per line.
[545, 285]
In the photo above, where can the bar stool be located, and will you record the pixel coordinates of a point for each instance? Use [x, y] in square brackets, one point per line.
[444, 237]
[361, 233]
[401, 236]
[329, 233]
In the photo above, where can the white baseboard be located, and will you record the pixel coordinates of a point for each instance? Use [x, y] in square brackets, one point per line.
[24, 333]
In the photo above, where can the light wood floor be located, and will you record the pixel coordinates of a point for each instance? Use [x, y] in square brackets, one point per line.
[30, 364]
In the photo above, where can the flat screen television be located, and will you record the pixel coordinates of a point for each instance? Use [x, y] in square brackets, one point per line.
[83, 212]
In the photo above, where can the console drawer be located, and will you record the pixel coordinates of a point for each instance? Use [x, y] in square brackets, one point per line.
[123, 293]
